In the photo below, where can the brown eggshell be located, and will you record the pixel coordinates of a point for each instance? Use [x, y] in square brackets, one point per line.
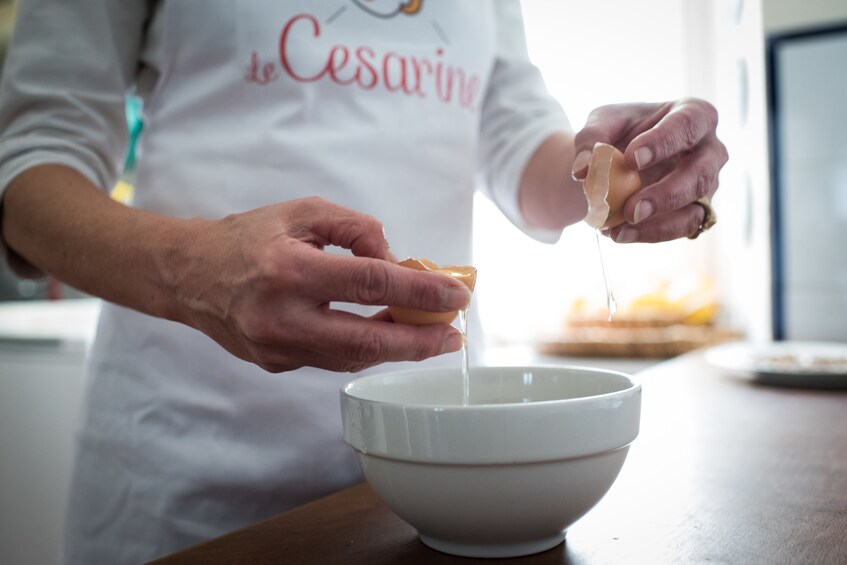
[415, 317]
[608, 184]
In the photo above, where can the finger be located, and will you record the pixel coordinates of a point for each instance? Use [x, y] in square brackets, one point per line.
[327, 223]
[665, 227]
[341, 341]
[294, 359]
[362, 280]
[614, 124]
[376, 342]
[278, 360]
[358, 342]
[683, 128]
[695, 176]
[382, 316]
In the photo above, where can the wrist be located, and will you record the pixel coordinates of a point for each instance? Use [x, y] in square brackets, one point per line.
[548, 196]
[178, 268]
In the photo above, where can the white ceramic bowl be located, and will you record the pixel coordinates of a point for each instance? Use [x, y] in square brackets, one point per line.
[508, 474]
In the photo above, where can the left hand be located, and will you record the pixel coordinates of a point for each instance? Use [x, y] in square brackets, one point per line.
[676, 150]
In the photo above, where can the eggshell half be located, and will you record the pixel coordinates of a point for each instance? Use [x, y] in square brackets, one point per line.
[608, 184]
[415, 317]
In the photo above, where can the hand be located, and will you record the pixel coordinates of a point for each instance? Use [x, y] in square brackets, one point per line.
[674, 147]
[260, 284]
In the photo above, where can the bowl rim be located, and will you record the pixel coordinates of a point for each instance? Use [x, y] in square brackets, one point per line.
[486, 434]
[635, 384]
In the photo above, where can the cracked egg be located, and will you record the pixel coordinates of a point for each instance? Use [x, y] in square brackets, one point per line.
[415, 317]
[608, 184]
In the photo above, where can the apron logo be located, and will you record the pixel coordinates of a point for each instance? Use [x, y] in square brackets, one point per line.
[365, 67]
[389, 8]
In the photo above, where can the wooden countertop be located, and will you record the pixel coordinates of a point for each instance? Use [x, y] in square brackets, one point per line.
[723, 471]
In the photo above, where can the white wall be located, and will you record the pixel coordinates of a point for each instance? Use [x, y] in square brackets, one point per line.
[743, 247]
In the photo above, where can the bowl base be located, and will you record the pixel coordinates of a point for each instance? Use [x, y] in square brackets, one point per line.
[493, 550]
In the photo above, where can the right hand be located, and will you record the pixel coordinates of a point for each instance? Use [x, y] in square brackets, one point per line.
[675, 148]
[260, 284]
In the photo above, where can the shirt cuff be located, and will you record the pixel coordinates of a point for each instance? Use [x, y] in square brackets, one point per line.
[504, 191]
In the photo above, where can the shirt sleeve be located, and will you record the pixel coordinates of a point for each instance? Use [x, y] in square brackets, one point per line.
[518, 114]
[62, 97]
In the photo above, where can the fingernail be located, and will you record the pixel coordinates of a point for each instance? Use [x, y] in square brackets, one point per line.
[643, 210]
[456, 297]
[643, 156]
[627, 235]
[453, 342]
[580, 162]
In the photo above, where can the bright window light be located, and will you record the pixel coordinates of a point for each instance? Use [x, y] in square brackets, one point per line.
[590, 53]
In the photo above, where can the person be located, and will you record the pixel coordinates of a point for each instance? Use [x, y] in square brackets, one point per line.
[284, 144]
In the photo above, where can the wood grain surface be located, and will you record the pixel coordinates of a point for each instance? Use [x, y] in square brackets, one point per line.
[723, 471]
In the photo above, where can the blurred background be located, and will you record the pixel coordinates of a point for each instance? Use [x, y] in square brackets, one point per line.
[774, 267]
[733, 279]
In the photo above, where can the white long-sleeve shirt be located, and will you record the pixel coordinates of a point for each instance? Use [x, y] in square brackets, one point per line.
[391, 108]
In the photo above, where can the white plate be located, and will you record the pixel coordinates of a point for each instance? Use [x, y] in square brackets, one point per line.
[784, 363]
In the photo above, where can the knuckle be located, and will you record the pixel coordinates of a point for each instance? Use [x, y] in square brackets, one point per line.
[277, 368]
[354, 367]
[360, 233]
[263, 332]
[312, 201]
[269, 274]
[370, 283]
[669, 145]
[689, 129]
[597, 113]
[268, 359]
[705, 179]
[705, 105]
[710, 111]
[595, 128]
[367, 351]
[424, 350]
[712, 114]
[302, 207]
[258, 329]
[724, 153]
[354, 227]
[706, 108]
[367, 234]
[372, 224]
[590, 135]
[260, 334]
[676, 200]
